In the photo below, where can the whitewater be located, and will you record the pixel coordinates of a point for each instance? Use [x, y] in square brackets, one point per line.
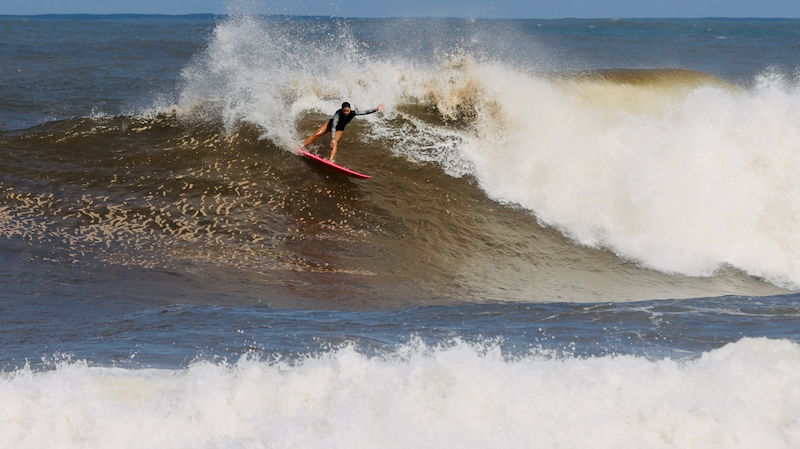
[742, 395]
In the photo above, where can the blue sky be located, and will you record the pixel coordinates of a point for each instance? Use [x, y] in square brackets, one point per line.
[425, 8]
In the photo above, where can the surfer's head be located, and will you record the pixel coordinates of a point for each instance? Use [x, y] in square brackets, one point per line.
[346, 108]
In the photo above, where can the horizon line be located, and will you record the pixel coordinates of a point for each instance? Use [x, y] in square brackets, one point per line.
[330, 17]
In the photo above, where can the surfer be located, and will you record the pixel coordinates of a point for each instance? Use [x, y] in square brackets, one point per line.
[336, 125]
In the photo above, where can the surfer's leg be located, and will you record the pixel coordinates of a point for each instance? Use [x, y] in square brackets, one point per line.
[334, 147]
[326, 127]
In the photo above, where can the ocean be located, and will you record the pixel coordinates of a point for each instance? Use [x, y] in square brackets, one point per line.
[578, 233]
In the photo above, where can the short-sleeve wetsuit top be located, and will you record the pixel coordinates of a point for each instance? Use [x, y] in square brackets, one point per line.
[339, 120]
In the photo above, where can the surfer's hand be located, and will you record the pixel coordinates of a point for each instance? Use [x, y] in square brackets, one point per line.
[380, 106]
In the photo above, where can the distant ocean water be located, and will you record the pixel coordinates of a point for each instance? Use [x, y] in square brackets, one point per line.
[579, 233]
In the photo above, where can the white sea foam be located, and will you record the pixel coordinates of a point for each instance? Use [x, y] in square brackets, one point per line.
[743, 395]
[682, 178]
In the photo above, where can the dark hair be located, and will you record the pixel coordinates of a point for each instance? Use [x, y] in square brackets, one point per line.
[346, 105]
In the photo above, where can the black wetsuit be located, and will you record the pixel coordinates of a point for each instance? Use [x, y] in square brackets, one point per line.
[339, 120]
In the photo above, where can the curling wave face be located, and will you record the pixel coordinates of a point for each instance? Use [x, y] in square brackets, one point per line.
[493, 178]
[673, 169]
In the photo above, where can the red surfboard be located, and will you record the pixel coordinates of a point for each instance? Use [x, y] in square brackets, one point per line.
[337, 168]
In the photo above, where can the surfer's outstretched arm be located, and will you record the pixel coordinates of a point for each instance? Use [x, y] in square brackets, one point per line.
[369, 111]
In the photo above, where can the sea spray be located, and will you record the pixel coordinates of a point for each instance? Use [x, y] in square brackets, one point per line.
[269, 72]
